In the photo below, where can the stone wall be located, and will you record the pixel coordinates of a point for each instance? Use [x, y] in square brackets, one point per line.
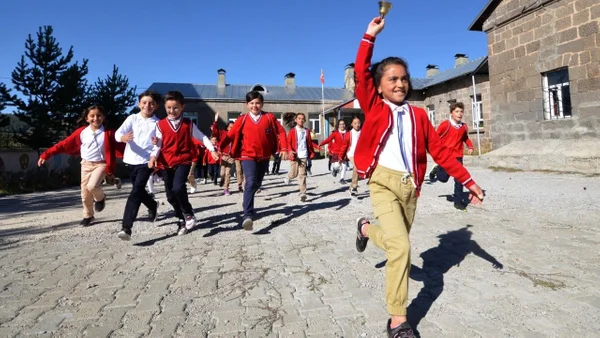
[527, 38]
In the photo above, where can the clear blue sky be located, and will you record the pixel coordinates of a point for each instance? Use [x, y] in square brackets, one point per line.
[255, 41]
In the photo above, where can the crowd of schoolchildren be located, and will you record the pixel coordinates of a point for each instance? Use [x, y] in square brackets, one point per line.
[391, 153]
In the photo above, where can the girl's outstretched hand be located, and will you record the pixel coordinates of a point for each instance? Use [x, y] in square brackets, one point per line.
[476, 194]
[375, 26]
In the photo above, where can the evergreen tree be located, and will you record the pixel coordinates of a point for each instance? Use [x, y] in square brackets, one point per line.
[115, 95]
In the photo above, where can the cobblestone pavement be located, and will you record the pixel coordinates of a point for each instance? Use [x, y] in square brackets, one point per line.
[298, 273]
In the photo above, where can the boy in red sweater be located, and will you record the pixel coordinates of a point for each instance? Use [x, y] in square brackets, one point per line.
[453, 133]
[227, 162]
[394, 157]
[174, 153]
[255, 137]
[301, 149]
[337, 139]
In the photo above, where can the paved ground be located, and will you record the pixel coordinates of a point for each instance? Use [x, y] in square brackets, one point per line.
[298, 273]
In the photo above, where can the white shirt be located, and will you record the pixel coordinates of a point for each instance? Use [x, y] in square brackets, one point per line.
[354, 141]
[138, 150]
[390, 156]
[456, 125]
[92, 144]
[255, 118]
[196, 133]
[301, 140]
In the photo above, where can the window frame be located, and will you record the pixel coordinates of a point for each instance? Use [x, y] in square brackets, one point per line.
[552, 95]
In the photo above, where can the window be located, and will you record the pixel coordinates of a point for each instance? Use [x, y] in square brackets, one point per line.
[192, 116]
[477, 109]
[315, 123]
[233, 115]
[279, 117]
[556, 94]
[431, 113]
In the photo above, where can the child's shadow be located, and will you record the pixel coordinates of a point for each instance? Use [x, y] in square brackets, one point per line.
[454, 246]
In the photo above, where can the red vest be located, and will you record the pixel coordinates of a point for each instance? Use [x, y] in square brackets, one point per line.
[177, 145]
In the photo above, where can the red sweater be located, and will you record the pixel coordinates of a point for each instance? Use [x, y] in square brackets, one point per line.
[72, 146]
[256, 140]
[293, 142]
[208, 159]
[220, 135]
[338, 140]
[379, 122]
[454, 137]
[177, 144]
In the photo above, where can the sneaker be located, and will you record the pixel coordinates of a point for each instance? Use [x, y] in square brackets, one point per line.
[182, 231]
[361, 241]
[192, 190]
[433, 173]
[86, 221]
[99, 205]
[118, 183]
[342, 181]
[190, 222]
[303, 197]
[153, 213]
[402, 331]
[460, 207]
[308, 172]
[204, 181]
[124, 235]
[353, 192]
[247, 224]
[226, 192]
[286, 180]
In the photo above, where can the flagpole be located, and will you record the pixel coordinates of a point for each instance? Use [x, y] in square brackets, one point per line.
[322, 94]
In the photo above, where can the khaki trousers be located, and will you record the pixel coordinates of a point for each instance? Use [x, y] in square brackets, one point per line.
[239, 173]
[354, 183]
[225, 174]
[298, 169]
[394, 201]
[92, 175]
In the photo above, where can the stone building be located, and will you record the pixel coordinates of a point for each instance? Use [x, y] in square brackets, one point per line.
[544, 68]
[203, 101]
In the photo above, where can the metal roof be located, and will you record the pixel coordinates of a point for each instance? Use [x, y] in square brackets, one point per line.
[474, 66]
[238, 92]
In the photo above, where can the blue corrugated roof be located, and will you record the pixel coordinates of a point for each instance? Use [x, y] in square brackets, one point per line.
[238, 92]
[447, 75]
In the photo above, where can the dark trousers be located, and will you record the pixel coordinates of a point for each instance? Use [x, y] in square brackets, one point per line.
[308, 163]
[139, 177]
[201, 170]
[276, 164]
[214, 171]
[175, 179]
[443, 177]
[254, 172]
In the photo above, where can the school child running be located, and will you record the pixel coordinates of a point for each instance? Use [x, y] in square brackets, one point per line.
[197, 149]
[301, 150]
[97, 148]
[174, 154]
[255, 136]
[348, 151]
[453, 133]
[394, 157]
[214, 165]
[337, 140]
[137, 132]
[227, 162]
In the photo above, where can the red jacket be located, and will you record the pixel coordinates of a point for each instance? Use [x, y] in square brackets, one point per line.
[379, 122]
[248, 145]
[199, 150]
[208, 159]
[293, 142]
[454, 138]
[72, 146]
[220, 135]
[338, 142]
[177, 144]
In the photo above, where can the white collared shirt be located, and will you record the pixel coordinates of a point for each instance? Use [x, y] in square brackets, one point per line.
[196, 133]
[390, 156]
[138, 150]
[354, 141]
[255, 118]
[92, 144]
[455, 124]
[301, 140]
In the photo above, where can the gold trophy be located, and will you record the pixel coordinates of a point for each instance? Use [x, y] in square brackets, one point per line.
[384, 8]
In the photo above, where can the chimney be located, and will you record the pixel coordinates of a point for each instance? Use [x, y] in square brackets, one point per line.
[349, 77]
[221, 78]
[460, 59]
[432, 70]
[290, 80]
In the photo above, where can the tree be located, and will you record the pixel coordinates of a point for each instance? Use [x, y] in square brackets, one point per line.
[52, 88]
[115, 95]
[4, 120]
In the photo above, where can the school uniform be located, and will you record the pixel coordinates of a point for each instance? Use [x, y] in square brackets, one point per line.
[254, 139]
[454, 136]
[214, 166]
[227, 162]
[136, 157]
[98, 151]
[175, 152]
[338, 140]
[348, 151]
[394, 157]
[302, 146]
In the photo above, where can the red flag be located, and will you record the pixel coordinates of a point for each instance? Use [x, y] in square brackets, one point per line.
[322, 77]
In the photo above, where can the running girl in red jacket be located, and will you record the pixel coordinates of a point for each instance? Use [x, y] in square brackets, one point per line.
[337, 158]
[394, 156]
[97, 148]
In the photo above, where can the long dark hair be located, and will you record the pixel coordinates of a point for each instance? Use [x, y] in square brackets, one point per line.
[378, 68]
[83, 119]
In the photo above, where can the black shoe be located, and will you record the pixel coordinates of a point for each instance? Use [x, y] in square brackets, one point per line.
[99, 205]
[153, 213]
[361, 241]
[460, 207]
[433, 174]
[402, 331]
[353, 192]
[86, 222]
